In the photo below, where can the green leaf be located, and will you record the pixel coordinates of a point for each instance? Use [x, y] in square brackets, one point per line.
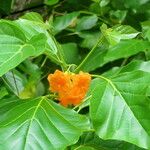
[103, 3]
[15, 81]
[33, 16]
[132, 66]
[32, 28]
[62, 22]
[119, 108]
[118, 16]
[125, 49]
[91, 140]
[134, 4]
[146, 29]
[51, 2]
[83, 147]
[89, 39]
[71, 54]
[38, 124]
[97, 59]
[136, 65]
[86, 22]
[14, 48]
[102, 55]
[96, 56]
[3, 92]
[117, 33]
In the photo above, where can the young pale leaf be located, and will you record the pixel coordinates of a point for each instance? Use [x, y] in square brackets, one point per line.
[33, 16]
[103, 3]
[15, 48]
[38, 124]
[117, 33]
[119, 108]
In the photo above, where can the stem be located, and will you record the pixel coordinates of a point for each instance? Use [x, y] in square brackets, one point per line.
[44, 61]
[89, 54]
[82, 103]
[106, 79]
[102, 77]
[56, 59]
[61, 57]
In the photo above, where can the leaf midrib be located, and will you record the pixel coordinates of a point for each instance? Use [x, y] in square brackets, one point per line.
[117, 91]
[19, 51]
[31, 120]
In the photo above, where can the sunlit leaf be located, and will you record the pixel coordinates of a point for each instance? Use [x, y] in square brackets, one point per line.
[119, 108]
[38, 124]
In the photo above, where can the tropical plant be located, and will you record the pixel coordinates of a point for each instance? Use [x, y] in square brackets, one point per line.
[76, 80]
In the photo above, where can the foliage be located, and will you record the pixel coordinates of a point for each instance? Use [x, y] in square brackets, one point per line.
[108, 39]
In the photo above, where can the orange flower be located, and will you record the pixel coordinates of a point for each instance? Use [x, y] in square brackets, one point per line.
[71, 88]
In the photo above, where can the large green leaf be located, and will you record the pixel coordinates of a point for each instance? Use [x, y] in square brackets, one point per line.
[117, 33]
[136, 65]
[132, 66]
[119, 108]
[15, 48]
[125, 49]
[32, 27]
[38, 124]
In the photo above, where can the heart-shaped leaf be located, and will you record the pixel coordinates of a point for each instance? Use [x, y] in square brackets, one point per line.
[38, 124]
[119, 108]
